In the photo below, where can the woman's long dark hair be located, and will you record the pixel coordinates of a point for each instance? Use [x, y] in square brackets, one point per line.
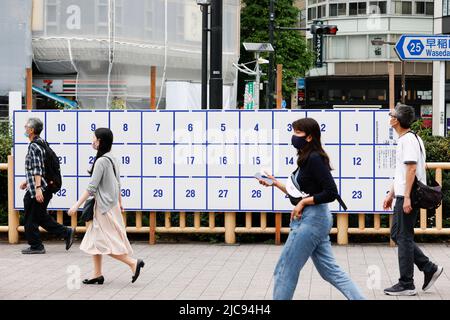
[311, 128]
[105, 137]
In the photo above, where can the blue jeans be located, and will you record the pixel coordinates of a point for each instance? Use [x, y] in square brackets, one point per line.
[309, 237]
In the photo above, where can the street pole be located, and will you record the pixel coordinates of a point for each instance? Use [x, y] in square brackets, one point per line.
[403, 83]
[258, 80]
[270, 85]
[205, 30]
[216, 80]
[391, 72]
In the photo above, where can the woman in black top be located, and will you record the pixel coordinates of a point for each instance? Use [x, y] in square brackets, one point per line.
[311, 219]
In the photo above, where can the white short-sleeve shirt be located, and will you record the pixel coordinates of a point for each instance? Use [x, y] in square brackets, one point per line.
[408, 151]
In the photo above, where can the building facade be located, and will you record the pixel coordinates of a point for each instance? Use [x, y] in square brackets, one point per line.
[355, 72]
[100, 51]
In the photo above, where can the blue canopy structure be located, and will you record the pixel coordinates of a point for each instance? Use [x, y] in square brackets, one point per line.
[66, 102]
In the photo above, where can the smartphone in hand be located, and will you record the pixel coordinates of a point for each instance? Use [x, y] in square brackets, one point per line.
[267, 180]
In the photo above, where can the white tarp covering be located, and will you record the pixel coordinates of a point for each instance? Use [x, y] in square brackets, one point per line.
[15, 37]
[183, 95]
[111, 45]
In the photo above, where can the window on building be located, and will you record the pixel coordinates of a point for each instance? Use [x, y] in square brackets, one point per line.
[312, 13]
[321, 11]
[337, 47]
[148, 25]
[445, 8]
[337, 95]
[52, 16]
[357, 47]
[102, 16]
[357, 95]
[420, 7]
[429, 8]
[337, 9]
[426, 8]
[377, 94]
[402, 7]
[118, 14]
[377, 7]
[357, 8]
[310, 2]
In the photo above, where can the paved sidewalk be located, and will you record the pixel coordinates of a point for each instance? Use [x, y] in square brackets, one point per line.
[202, 271]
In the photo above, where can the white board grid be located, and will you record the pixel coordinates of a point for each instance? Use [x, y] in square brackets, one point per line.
[205, 160]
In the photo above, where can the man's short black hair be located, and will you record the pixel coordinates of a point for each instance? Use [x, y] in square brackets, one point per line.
[405, 115]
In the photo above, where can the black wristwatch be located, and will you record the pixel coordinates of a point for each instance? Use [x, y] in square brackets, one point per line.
[38, 187]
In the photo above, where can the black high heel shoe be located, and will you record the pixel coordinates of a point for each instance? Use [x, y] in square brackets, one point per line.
[99, 280]
[140, 264]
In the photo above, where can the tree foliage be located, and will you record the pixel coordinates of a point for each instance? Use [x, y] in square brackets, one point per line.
[291, 47]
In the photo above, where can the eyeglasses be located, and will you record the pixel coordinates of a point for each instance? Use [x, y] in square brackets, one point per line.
[392, 115]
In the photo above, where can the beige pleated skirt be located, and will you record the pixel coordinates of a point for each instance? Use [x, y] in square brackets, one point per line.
[107, 234]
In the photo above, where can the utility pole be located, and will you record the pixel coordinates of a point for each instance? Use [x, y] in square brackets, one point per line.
[271, 55]
[205, 12]
[216, 80]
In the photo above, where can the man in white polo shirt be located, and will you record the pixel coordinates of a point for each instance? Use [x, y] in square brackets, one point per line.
[410, 162]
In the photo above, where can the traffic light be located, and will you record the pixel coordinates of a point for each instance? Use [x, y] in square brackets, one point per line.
[324, 29]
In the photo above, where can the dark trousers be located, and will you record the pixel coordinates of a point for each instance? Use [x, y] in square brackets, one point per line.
[402, 232]
[36, 215]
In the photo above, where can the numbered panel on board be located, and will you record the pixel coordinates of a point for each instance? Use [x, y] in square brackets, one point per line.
[18, 193]
[255, 196]
[255, 158]
[131, 193]
[190, 160]
[329, 125]
[20, 120]
[223, 127]
[357, 161]
[384, 134]
[158, 194]
[158, 127]
[65, 197]
[357, 127]
[285, 160]
[67, 156]
[190, 127]
[282, 125]
[256, 127]
[223, 160]
[358, 194]
[190, 194]
[157, 160]
[223, 195]
[61, 127]
[126, 127]
[129, 159]
[382, 188]
[88, 122]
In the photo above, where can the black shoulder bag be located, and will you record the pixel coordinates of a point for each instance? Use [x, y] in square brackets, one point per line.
[426, 196]
[88, 209]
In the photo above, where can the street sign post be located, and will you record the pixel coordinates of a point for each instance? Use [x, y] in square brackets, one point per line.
[423, 47]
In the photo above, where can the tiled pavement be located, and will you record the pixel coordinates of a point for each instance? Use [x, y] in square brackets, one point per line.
[203, 271]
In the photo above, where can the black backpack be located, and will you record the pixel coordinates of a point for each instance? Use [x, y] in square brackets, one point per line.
[52, 167]
[426, 196]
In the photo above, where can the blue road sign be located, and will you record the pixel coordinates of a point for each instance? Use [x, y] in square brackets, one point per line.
[423, 47]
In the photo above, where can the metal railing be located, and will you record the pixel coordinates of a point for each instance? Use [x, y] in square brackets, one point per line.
[230, 228]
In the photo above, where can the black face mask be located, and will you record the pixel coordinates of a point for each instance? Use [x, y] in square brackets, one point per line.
[299, 142]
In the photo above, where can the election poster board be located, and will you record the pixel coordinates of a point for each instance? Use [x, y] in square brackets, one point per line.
[205, 161]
